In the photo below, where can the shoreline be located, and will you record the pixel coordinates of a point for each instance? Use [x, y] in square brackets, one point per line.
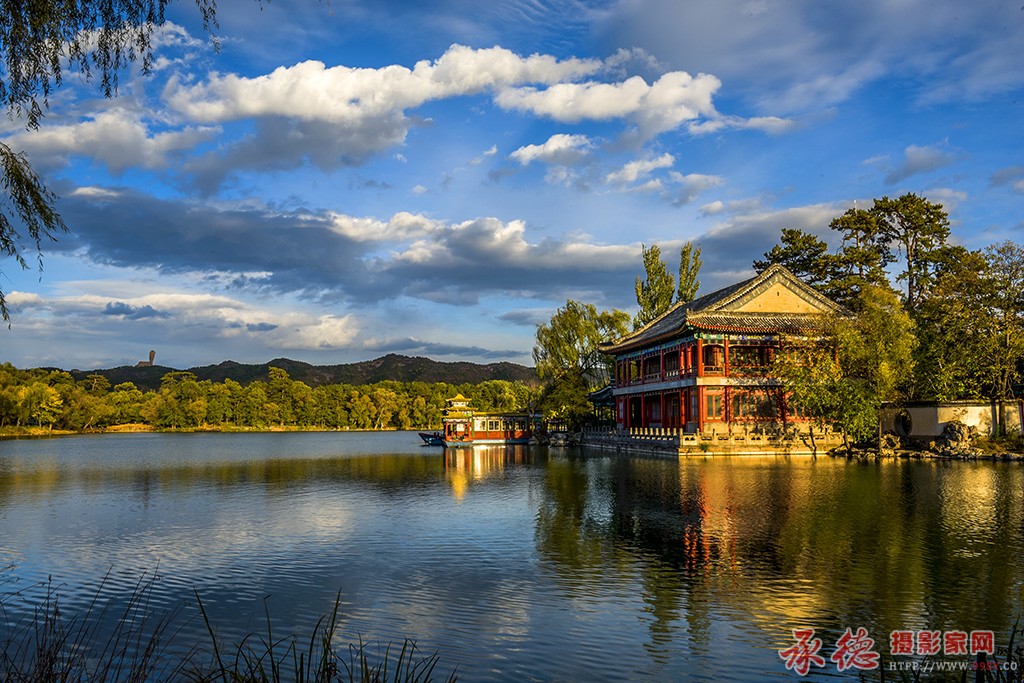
[43, 432]
[986, 453]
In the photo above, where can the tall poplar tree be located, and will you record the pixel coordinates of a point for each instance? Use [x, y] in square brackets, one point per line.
[654, 293]
[689, 268]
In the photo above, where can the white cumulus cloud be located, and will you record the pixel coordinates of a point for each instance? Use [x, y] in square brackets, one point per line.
[634, 170]
[562, 149]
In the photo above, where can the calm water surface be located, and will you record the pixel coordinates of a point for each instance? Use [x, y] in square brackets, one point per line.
[519, 564]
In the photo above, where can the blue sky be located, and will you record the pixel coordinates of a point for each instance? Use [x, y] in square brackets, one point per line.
[343, 180]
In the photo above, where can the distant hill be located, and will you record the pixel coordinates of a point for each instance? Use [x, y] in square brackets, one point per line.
[389, 367]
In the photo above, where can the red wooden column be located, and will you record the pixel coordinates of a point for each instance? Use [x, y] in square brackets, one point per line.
[700, 357]
[727, 408]
[725, 356]
[701, 398]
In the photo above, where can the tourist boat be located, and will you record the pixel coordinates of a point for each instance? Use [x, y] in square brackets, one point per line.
[465, 427]
[432, 438]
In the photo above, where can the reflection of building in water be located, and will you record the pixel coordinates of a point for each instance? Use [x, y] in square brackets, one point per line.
[466, 465]
[728, 527]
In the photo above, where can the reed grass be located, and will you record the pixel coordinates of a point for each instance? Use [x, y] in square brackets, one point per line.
[53, 646]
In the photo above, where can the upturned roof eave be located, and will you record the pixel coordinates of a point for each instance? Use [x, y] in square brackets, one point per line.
[640, 343]
[716, 301]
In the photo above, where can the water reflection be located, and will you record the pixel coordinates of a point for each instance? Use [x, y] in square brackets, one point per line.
[777, 544]
[521, 563]
[464, 466]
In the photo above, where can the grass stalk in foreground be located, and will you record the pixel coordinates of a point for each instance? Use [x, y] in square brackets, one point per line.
[52, 647]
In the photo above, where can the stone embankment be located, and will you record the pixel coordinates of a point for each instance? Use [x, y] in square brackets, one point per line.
[957, 442]
[676, 442]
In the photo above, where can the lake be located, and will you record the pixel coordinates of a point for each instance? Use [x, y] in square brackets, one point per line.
[520, 564]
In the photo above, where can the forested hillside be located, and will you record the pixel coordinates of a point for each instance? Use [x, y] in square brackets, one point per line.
[391, 367]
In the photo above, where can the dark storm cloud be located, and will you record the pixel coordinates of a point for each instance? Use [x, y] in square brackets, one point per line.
[529, 317]
[309, 254]
[340, 259]
[287, 251]
[280, 144]
[410, 346]
[486, 256]
[129, 312]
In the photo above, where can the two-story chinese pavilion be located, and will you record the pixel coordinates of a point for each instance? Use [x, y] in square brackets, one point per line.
[704, 365]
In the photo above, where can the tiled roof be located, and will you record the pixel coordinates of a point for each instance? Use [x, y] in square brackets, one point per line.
[786, 323]
[715, 311]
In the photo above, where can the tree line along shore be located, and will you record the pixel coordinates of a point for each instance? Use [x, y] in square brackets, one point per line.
[51, 401]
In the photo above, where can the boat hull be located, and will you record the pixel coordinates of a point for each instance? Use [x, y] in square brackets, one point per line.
[432, 438]
[487, 441]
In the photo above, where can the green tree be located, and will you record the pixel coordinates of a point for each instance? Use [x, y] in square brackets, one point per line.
[953, 328]
[97, 385]
[862, 362]
[8, 405]
[1006, 347]
[566, 398]
[41, 403]
[803, 254]
[183, 404]
[249, 408]
[304, 404]
[360, 410]
[861, 259]
[386, 403]
[219, 408]
[567, 356]
[280, 392]
[38, 41]
[919, 229]
[126, 401]
[971, 326]
[568, 343]
[689, 268]
[654, 293]
[82, 408]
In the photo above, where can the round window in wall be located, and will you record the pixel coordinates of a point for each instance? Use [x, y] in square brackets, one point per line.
[903, 423]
